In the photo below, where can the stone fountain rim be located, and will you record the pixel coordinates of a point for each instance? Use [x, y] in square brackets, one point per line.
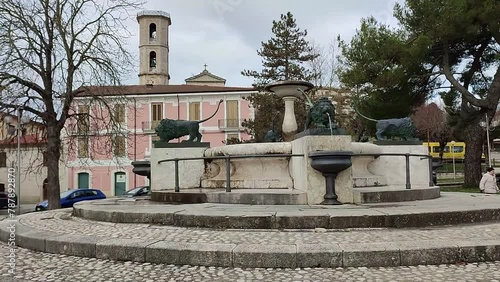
[250, 149]
[288, 82]
[330, 153]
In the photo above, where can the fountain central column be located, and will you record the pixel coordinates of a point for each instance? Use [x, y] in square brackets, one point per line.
[289, 127]
[289, 90]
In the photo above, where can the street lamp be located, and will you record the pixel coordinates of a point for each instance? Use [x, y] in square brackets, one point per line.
[453, 156]
[18, 130]
[486, 125]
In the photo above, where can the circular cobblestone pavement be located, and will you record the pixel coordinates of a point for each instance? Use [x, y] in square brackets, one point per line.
[36, 266]
[62, 222]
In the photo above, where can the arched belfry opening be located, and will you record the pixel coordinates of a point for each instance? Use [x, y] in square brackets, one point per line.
[152, 31]
[152, 59]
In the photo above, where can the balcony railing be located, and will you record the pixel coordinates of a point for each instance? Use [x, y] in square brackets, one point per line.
[149, 126]
[230, 124]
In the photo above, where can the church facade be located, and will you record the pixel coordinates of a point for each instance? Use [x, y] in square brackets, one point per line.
[99, 158]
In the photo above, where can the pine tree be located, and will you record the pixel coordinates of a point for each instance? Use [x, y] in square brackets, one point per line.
[284, 57]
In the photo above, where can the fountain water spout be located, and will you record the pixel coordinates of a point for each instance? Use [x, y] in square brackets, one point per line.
[330, 121]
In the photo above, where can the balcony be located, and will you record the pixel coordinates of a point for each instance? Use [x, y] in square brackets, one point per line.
[149, 126]
[230, 124]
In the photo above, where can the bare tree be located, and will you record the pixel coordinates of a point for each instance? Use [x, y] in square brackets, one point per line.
[432, 125]
[324, 66]
[50, 49]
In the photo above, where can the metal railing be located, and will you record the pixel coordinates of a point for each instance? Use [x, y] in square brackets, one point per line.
[228, 166]
[227, 162]
[407, 158]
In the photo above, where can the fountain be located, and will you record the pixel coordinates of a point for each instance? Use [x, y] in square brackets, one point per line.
[288, 90]
[295, 171]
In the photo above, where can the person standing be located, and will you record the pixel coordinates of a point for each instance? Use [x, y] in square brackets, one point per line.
[488, 183]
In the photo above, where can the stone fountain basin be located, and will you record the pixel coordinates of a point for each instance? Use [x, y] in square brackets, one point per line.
[331, 161]
[249, 173]
[288, 88]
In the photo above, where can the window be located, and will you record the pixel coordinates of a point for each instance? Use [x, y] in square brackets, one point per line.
[119, 146]
[194, 111]
[3, 159]
[83, 147]
[89, 193]
[232, 114]
[119, 112]
[152, 59]
[83, 119]
[152, 31]
[156, 114]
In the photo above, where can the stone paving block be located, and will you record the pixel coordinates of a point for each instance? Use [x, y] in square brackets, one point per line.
[74, 245]
[223, 220]
[428, 252]
[123, 249]
[33, 239]
[319, 255]
[5, 229]
[357, 221]
[98, 213]
[141, 216]
[370, 255]
[302, 220]
[190, 254]
[479, 251]
[253, 255]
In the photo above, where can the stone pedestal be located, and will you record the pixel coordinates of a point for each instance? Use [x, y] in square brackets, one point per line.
[190, 172]
[249, 173]
[289, 127]
[393, 168]
[362, 175]
[312, 181]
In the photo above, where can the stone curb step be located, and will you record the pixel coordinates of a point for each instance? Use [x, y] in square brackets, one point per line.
[405, 253]
[178, 216]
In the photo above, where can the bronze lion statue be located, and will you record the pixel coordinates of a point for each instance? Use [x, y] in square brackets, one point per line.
[321, 114]
[170, 129]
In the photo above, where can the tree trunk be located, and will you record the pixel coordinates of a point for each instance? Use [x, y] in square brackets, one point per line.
[473, 150]
[53, 156]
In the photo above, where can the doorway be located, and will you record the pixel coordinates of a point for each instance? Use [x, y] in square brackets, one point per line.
[120, 183]
[83, 180]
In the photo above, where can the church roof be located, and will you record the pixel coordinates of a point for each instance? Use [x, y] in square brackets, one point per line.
[205, 72]
[155, 90]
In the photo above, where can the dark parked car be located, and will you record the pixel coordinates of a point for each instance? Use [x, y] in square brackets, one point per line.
[71, 197]
[4, 200]
[137, 191]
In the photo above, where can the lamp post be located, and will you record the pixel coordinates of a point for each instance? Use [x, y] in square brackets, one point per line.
[486, 125]
[453, 157]
[18, 130]
[488, 139]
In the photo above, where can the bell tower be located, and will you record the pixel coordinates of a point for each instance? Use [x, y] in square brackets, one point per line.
[153, 47]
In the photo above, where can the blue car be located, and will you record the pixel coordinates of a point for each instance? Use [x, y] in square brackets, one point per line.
[71, 197]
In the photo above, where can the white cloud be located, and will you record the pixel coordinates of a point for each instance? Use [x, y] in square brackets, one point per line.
[225, 34]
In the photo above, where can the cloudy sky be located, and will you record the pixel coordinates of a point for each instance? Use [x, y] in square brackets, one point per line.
[225, 34]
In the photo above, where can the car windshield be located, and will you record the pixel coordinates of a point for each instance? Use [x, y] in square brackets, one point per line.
[66, 193]
[133, 191]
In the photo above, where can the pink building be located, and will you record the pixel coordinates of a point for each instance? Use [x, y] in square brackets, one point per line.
[99, 152]
[98, 159]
